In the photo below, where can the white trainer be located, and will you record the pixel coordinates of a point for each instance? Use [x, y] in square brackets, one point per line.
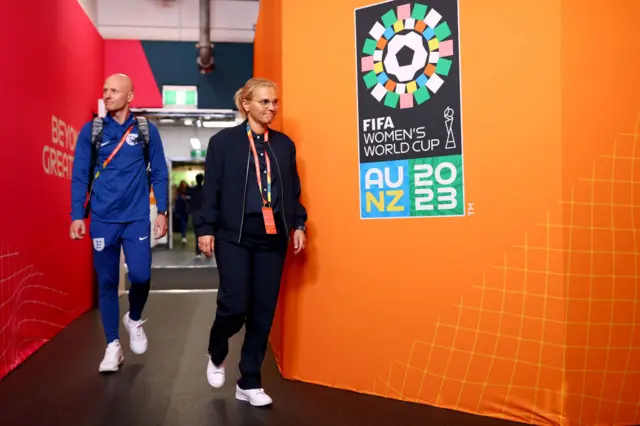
[113, 358]
[215, 375]
[137, 337]
[256, 397]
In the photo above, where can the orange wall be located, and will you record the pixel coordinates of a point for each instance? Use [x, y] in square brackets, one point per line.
[267, 60]
[267, 63]
[467, 313]
[372, 292]
[600, 122]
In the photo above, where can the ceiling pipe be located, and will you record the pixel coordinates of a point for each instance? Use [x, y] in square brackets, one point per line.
[205, 59]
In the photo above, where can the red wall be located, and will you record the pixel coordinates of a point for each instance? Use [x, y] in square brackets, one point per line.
[52, 76]
[128, 57]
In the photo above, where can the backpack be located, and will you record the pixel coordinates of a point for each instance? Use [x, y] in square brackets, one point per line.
[96, 140]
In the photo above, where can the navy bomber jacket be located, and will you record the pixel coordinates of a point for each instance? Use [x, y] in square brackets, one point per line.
[227, 176]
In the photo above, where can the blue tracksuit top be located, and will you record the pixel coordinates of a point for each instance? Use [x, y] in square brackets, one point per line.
[121, 193]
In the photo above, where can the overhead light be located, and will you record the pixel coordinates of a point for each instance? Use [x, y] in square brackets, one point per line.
[195, 143]
[188, 121]
[218, 124]
[181, 113]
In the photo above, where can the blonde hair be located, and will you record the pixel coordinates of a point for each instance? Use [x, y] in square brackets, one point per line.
[246, 92]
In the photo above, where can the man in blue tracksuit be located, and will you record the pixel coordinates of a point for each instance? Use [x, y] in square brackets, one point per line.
[119, 206]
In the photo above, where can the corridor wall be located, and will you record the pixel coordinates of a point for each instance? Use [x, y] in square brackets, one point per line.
[267, 56]
[526, 307]
[155, 63]
[267, 63]
[52, 76]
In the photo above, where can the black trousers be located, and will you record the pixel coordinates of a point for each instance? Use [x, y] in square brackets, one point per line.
[250, 275]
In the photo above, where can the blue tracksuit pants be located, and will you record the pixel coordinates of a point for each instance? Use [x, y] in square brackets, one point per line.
[108, 239]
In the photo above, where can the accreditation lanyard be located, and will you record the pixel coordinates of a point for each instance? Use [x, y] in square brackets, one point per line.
[257, 164]
[115, 150]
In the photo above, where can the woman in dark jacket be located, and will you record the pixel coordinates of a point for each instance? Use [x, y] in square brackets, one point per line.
[251, 211]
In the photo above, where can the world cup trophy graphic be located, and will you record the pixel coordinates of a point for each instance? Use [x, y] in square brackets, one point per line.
[448, 122]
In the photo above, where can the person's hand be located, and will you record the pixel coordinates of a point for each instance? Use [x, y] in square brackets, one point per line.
[77, 230]
[160, 228]
[206, 243]
[299, 241]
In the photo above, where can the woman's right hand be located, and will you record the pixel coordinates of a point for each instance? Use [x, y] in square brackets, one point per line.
[206, 244]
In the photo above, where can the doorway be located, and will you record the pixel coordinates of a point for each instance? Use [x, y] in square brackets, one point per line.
[175, 264]
[183, 183]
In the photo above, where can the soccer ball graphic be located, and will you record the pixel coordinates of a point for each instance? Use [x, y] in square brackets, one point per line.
[405, 57]
[406, 73]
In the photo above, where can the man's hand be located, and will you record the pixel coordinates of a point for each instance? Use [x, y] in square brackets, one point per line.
[160, 228]
[299, 241]
[206, 244]
[78, 229]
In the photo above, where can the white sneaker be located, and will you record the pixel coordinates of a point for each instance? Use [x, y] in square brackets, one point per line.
[215, 375]
[113, 358]
[137, 337]
[256, 397]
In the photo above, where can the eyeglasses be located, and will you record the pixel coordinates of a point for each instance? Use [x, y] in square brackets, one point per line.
[264, 103]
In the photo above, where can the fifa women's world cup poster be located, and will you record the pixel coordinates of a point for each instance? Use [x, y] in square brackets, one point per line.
[409, 110]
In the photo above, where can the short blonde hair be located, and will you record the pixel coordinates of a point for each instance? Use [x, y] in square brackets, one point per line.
[246, 92]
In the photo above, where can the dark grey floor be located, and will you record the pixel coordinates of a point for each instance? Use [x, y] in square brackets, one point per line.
[60, 384]
[180, 269]
[179, 257]
[182, 279]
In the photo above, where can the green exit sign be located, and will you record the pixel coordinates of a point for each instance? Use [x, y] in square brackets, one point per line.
[180, 97]
[198, 154]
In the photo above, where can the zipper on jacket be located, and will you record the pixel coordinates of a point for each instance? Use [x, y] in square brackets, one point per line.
[282, 213]
[244, 198]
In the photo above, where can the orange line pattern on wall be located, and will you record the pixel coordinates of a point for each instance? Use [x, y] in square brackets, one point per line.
[552, 329]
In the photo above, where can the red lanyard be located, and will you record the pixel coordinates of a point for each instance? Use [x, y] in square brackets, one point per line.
[115, 150]
[257, 164]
